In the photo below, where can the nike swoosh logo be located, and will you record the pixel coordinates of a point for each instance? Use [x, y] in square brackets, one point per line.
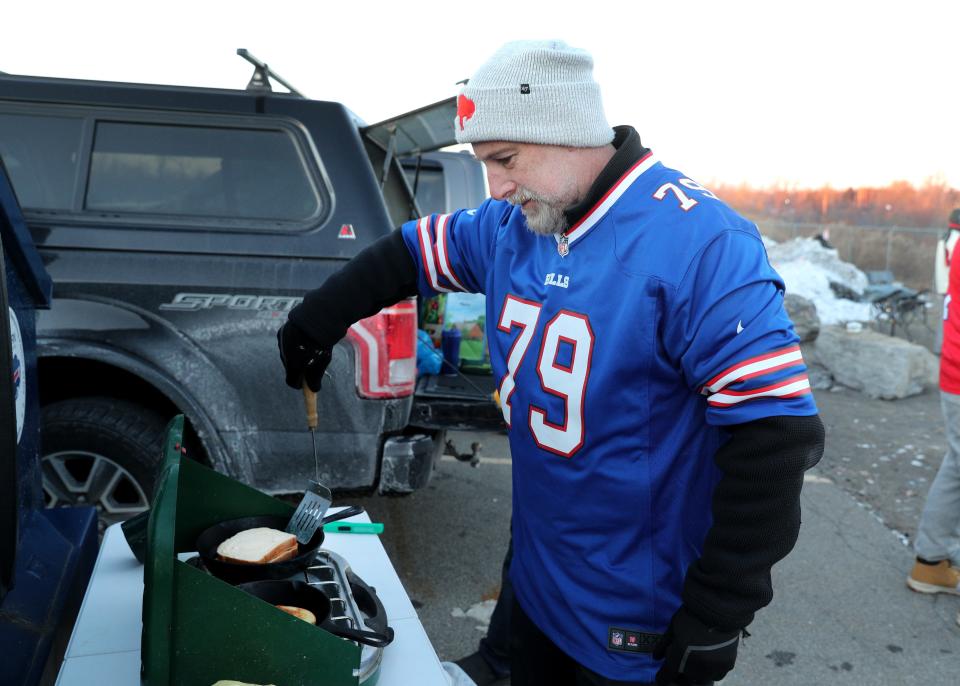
[739, 326]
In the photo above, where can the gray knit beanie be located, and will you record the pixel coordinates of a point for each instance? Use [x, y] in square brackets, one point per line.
[534, 92]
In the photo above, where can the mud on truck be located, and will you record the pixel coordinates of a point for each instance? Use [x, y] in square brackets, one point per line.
[179, 226]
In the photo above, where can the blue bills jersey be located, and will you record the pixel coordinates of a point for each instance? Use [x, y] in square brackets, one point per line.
[621, 350]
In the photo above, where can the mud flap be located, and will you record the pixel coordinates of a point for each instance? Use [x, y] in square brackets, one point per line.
[407, 463]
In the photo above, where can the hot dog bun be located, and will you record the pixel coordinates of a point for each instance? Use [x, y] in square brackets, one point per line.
[300, 613]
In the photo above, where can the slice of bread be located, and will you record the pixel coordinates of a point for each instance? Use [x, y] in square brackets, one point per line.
[300, 613]
[258, 546]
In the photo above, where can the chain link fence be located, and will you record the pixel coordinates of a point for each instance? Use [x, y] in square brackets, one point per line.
[907, 252]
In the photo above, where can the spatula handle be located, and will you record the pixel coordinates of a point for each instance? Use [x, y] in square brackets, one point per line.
[310, 402]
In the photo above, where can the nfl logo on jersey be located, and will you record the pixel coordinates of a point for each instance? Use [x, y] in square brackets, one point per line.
[616, 638]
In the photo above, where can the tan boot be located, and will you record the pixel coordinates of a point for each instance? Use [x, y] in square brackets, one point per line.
[942, 577]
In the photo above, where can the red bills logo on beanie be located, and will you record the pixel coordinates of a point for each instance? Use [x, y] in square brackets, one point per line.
[465, 108]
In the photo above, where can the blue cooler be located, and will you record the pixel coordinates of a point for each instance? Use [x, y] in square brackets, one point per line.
[46, 556]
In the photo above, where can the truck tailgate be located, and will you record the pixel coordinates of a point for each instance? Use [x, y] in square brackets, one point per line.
[463, 403]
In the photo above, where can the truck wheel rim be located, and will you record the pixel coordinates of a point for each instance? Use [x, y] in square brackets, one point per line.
[76, 477]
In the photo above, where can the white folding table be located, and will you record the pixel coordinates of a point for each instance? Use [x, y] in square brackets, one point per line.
[104, 648]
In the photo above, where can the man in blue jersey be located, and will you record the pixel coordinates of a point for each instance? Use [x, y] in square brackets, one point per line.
[659, 410]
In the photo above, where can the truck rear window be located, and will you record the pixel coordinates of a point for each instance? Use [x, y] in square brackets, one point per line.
[431, 191]
[199, 171]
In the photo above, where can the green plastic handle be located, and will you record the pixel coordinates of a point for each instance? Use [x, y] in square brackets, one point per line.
[353, 528]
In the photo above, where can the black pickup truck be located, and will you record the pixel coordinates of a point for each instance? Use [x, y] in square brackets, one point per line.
[179, 226]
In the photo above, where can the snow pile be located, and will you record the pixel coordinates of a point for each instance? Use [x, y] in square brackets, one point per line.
[807, 268]
[825, 259]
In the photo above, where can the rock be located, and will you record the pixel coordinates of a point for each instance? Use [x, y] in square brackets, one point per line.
[820, 377]
[879, 365]
[803, 314]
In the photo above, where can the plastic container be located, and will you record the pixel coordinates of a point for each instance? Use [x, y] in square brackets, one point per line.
[450, 345]
[428, 356]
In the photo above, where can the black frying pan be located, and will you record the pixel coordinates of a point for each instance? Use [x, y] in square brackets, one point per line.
[236, 573]
[301, 594]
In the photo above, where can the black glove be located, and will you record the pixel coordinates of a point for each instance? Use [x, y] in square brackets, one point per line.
[693, 653]
[302, 358]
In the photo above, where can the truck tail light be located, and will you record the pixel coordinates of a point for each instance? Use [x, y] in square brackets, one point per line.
[386, 351]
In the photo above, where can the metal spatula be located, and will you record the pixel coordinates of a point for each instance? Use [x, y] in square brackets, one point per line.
[317, 497]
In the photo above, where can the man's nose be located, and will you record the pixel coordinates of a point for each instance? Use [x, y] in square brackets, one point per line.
[501, 187]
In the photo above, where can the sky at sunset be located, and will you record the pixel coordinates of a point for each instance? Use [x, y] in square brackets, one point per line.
[799, 94]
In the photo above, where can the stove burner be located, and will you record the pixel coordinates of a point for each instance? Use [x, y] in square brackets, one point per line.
[353, 604]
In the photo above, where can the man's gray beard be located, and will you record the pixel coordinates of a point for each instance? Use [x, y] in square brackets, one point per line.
[546, 219]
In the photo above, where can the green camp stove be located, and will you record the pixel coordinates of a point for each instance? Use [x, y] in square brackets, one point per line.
[198, 629]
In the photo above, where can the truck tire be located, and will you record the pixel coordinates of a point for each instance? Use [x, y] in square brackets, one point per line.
[101, 452]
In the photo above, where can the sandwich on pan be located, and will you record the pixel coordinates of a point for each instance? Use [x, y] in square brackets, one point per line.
[258, 546]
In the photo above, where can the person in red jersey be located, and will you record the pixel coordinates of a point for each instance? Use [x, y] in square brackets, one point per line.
[937, 567]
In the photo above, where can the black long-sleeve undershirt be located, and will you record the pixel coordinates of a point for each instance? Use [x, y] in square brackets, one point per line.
[756, 517]
[382, 274]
